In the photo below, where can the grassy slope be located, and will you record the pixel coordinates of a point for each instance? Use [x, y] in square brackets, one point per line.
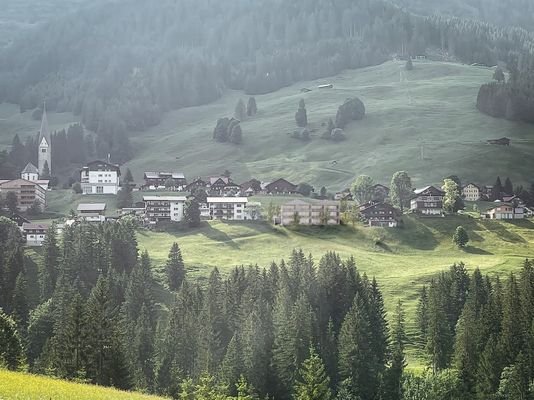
[30, 387]
[405, 261]
[434, 103]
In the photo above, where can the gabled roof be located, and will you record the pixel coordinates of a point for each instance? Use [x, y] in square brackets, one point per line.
[158, 175]
[431, 189]
[281, 181]
[165, 198]
[216, 179]
[28, 226]
[227, 200]
[98, 165]
[44, 132]
[30, 169]
[88, 207]
[471, 184]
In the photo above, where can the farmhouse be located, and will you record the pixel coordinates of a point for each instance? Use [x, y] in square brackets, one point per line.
[196, 184]
[92, 212]
[380, 193]
[217, 184]
[381, 214]
[428, 201]
[251, 187]
[156, 180]
[27, 193]
[281, 186]
[99, 177]
[35, 234]
[310, 212]
[164, 208]
[506, 211]
[471, 192]
[226, 208]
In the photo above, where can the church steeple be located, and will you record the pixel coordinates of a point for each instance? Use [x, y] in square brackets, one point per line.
[45, 148]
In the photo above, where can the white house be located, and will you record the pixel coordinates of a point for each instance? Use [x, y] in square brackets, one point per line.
[31, 173]
[35, 234]
[92, 212]
[99, 177]
[471, 192]
[164, 208]
[228, 208]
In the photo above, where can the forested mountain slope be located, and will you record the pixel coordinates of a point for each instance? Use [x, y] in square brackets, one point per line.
[122, 65]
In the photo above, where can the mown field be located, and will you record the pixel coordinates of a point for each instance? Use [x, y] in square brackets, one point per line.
[432, 107]
[403, 260]
[20, 386]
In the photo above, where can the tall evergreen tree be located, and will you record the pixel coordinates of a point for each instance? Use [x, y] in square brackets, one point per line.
[313, 382]
[394, 375]
[49, 272]
[174, 268]
[240, 110]
[252, 108]
[11, 350]
[301, 116]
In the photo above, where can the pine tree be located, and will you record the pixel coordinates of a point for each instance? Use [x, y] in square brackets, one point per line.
[394, 375]
[128, 177]
[125, 196]
[498, 75]
[422, 314]
[508, 187]
[301, 116]
[49, 271]
[174, 268]
[21, 310]
[354, 352]
[232, 365]
[143, 345]
[11, 350]
[488, 370]
[497, 189]
[460, 237]
[252, 108]
[313, 382]
[438, 334]
[192, 213]
[409, 64]
[511, 339]
[240, 110]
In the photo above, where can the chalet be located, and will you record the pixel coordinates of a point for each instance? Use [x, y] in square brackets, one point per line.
[227, 208]
[28, 193]
[35, 234]
[92, 212]
[156, 180]
[281, 186]
[19, 220]
[380, 193]
[506, 211]
[471, 192]
[500, 142]
[428, 201]
[381, 214]
[164, 208]
[231, 189]
[310, 212]
[99, 177]
[196, 185]
[487, 192]
[217, 184]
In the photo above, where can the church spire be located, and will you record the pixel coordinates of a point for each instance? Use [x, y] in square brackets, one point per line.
[44, 132]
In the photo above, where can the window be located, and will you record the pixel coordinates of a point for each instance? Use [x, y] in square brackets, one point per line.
[43, 151]
[99, 189]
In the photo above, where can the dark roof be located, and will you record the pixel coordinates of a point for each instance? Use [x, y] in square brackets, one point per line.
[30, 169]
[30, 226]
[429, 190]
[98, 165]
[281, 181]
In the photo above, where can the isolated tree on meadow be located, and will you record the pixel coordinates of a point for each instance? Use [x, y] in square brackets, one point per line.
[452, 194]
[401, 190]
[192, 213]
[301, 116]
[174, 268]
[128, 177]
[240, 110]
[409, 64]
[498, 75]
[460, 237]
[252, 108]
[362, 189]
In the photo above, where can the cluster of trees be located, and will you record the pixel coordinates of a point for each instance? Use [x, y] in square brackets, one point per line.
[228, 130]
[512, 99]
[93, 311]
[153, 65]
[482, 329]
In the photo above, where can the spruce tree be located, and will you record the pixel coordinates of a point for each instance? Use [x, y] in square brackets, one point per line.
[460, 237]
[313, 382]
[439, 335]
[11, 350]
[497, 189]
[422, 314]
[240, 110]
[20, 306]
[394, 374]
[192, 213]
[301, 116]
[252, 108]
[174, 268]
[49, 271]
[508, 187]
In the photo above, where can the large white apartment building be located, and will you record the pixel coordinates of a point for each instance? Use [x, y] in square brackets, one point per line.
[99, 177]
[226, 208]
[164, 208]
[310, 212]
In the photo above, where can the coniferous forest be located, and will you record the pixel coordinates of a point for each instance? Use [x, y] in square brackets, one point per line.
[95, 310]
[121, 65]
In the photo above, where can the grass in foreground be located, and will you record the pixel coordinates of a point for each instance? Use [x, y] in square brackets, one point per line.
[22, 386]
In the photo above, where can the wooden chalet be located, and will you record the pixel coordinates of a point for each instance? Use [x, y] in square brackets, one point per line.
[281, 186]
[198, 183]
[428, 201]
[380, 214]
[153, 180]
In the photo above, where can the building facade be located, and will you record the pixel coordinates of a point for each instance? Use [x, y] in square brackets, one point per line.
[281, 186]
[381, 214]
[155, 180]
[428, 201]
[309, 212]
[471, 192]
[92, 212]
[228, 208]
[164, 208]
[99, 177]
[27, 193]
[506, 211]
[31, 173]
[35, 234]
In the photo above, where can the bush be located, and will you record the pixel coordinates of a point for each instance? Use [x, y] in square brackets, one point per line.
[77, 188]
[337, 135]
[351, 110]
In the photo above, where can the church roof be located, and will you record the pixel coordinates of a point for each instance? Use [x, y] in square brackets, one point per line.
[30, 169]
[44, 132]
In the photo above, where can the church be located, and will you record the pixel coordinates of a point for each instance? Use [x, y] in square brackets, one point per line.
[45, 148]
